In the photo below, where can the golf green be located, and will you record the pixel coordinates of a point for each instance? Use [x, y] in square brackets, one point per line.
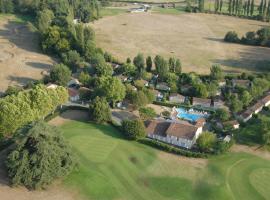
[110, 167]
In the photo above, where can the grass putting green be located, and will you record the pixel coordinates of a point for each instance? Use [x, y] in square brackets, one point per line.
[113, 168]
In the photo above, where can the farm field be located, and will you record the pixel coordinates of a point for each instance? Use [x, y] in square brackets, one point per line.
[21, 60]
[197, 39]
[113, 168]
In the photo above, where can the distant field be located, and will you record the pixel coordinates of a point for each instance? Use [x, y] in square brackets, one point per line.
[197, 39]
[113, 168]
[21, 60]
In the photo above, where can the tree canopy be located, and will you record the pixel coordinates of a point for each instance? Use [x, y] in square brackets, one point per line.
[99, 110]
[60, 74]
[39, 156]
[133, 129]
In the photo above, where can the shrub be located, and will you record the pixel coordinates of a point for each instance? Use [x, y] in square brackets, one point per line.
[39, 156]
[133, 129]
[147, 113]
[206, 141]
[99, 110]
[171, 149]
[231, 36]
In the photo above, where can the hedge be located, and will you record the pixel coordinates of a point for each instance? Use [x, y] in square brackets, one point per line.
[168, 104]
[171, 149]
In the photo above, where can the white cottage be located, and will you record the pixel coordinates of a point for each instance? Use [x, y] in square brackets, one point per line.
[176, 133]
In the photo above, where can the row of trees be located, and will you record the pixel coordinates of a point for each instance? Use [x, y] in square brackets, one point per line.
[260, 37]
[27, 106]
[162, 66]
[84, 10]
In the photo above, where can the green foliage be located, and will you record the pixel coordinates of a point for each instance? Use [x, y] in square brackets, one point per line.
[149, 64]
[44, 20]
[139, 84]
[206, 141]
[40, 155]
[171, 149]
[102, 68]
[133, 129]
[216, 72]
[72, 59]
[13, 90]
[100, 111]
[60, 74]
[231, 36]
[200, 90]
[245, 98]
[162, 67]
[221, 114]
[147, 113]
[128, 69]
[138, 61]
[111, 88]
[235, 104]
[27, 106]
[84, 78]
[172, 80]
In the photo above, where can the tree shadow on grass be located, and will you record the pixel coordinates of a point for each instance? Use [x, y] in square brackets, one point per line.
[21, 80]
[39, 65]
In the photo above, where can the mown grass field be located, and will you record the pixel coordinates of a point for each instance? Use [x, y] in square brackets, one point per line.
[113, 168]
[196, 39]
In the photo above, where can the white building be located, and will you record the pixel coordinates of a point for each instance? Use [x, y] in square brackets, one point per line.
[176, 133]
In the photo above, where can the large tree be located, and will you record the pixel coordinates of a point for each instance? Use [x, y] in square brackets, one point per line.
[111, 88]
[60, 74]
[206, 141]
[133, 129]
[99, 110]
[216, 72]
[162, 67]
[39, 156]
[138, 61]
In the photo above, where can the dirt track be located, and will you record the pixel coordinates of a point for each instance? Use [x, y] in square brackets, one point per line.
[21, 60]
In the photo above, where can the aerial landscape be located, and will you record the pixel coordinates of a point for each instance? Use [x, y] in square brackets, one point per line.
[134, 99]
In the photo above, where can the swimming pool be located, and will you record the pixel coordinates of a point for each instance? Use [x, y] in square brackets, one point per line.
[184, 114]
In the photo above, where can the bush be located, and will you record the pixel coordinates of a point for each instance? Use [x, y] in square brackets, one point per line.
[39, 156]
[133, 129]
[171, 149]
[206, 141]
[100, 111]
[231, 36]
[147, 113]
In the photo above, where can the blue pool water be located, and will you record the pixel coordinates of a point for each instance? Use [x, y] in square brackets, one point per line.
[183, 114]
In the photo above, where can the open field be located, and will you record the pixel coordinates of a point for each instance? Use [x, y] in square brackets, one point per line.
[197, 39]
[113, 168]
[21, 60]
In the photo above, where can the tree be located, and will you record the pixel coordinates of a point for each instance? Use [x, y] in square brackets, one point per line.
[60, 74]
[138, 61]
[252, 7]
[235, 104]
[84, 78]
[149, 64]
[40, 155]
[231, 36]
[201, 5]
[13, 90]
[212, 89]
[200, 90]
[44, 20]
[102, 68]
[222, 114]
[172, 80]
[128, 69]
[161, 66]
[72, 59]
[206, 141]
[265, 131]
[147, 113]
[139, 99]
[111, 88]
[178, 67]
[246, 98]
[216, 72]
[99, 110]
[133, 129]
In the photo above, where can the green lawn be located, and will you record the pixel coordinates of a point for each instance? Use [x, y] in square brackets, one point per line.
[113, 168]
